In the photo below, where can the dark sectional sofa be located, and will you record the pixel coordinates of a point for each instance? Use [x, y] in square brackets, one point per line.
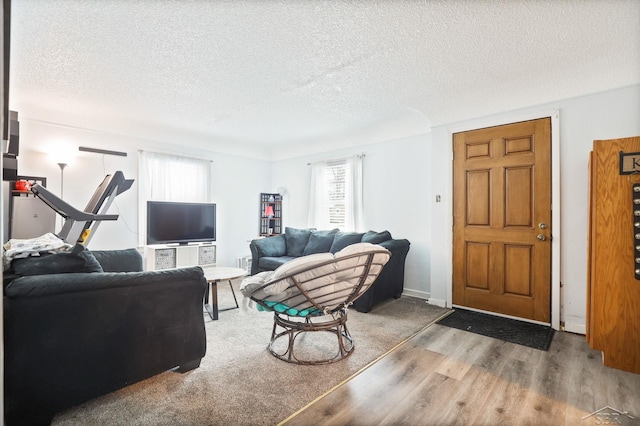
[77, 326]
[267, 254]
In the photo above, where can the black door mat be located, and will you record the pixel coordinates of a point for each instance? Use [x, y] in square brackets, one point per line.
[520, 332]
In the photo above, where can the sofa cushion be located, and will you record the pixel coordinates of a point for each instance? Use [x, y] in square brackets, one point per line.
[77, 260]
[297, 240]
[272, 246]
[126, 260]
[320, 242]
[272, 263]
[376, 237]
[343, 239]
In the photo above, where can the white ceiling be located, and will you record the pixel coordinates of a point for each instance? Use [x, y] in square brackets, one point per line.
[284, 78]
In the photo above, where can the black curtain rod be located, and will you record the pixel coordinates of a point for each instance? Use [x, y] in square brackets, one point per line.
[102, 151]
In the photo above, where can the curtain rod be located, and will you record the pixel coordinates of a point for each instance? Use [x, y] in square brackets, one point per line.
[175, 154]
[102, 151]
[361, 155]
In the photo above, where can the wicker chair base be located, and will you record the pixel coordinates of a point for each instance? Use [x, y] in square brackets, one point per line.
[290, 330]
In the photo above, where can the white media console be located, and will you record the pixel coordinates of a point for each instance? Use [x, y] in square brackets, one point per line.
[170, 256]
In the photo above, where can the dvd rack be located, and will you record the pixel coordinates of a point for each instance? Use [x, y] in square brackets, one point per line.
[270, 214]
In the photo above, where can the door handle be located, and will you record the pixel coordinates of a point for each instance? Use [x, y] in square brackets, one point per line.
[541, 237]
[542, 225]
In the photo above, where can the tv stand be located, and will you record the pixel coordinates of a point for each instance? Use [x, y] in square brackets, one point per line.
[178, 256]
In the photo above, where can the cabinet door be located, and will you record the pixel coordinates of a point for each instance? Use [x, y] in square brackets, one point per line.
[31, 218]
[613, 291]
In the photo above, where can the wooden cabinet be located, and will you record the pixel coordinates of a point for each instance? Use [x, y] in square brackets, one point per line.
[270, 214]
[613, 291]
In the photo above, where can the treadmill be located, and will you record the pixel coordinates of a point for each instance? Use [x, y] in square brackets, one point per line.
[80, 225]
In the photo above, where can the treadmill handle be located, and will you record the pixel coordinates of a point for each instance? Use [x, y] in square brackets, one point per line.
[66, 210]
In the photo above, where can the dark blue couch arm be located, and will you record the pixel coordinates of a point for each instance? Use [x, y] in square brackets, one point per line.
[390, 282]
[275, 246]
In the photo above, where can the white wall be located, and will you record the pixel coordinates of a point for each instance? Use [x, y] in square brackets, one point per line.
[401, 179]
[237, 183]
[397, 197]
[606, 115]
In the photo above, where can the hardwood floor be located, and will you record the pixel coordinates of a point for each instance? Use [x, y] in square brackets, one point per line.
[445, 376]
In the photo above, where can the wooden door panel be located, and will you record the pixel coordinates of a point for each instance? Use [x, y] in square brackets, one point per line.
[518, 203]
[480, 149]
[478, 265]
[518, 270]
[478, 197]
[511, 234]
[517, 306]
[518, 145]
[502, 192]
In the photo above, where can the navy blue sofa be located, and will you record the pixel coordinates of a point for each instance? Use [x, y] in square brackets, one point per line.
[83, 324]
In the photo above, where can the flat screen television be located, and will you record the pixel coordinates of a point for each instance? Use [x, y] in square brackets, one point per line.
[180, 223]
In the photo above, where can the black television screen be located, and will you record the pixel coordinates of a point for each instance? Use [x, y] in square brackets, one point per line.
[181, 223]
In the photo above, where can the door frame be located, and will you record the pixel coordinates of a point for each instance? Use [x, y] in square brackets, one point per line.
[504, 119]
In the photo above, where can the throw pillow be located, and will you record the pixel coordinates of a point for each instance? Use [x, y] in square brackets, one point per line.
[376, 237]
[73, 261]
[320, 242]
[297, 240]
[124, 260]
[274, 246]
[343, 239]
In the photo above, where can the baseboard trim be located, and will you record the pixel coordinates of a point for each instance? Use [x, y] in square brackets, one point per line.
[575, 328]
[437, 302]
[416, 293]
[426, 296]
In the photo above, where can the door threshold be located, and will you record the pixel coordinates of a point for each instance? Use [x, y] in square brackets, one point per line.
[502, 315]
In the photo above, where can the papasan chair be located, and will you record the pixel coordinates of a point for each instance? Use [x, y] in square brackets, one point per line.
[312, 294]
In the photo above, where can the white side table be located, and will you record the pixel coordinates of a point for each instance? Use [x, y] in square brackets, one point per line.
[213, 276]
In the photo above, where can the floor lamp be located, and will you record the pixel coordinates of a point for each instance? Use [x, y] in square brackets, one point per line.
[62, 166]
[62, 155]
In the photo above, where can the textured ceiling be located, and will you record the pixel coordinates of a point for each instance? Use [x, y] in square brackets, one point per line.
[284, 78]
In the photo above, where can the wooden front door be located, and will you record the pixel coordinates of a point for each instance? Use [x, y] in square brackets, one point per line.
[502, 219]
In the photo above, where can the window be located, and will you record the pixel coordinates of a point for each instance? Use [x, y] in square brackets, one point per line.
[169, 177]
[336, 194]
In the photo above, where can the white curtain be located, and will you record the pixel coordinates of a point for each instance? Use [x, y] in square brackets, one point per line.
[170, 177]
[317, 215]
[357, 203]
[335, 195]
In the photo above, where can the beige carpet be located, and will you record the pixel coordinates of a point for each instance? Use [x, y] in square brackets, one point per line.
[240, 383]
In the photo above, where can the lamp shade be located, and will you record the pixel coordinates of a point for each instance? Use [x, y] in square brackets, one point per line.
[62, 153]
[268, 211]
